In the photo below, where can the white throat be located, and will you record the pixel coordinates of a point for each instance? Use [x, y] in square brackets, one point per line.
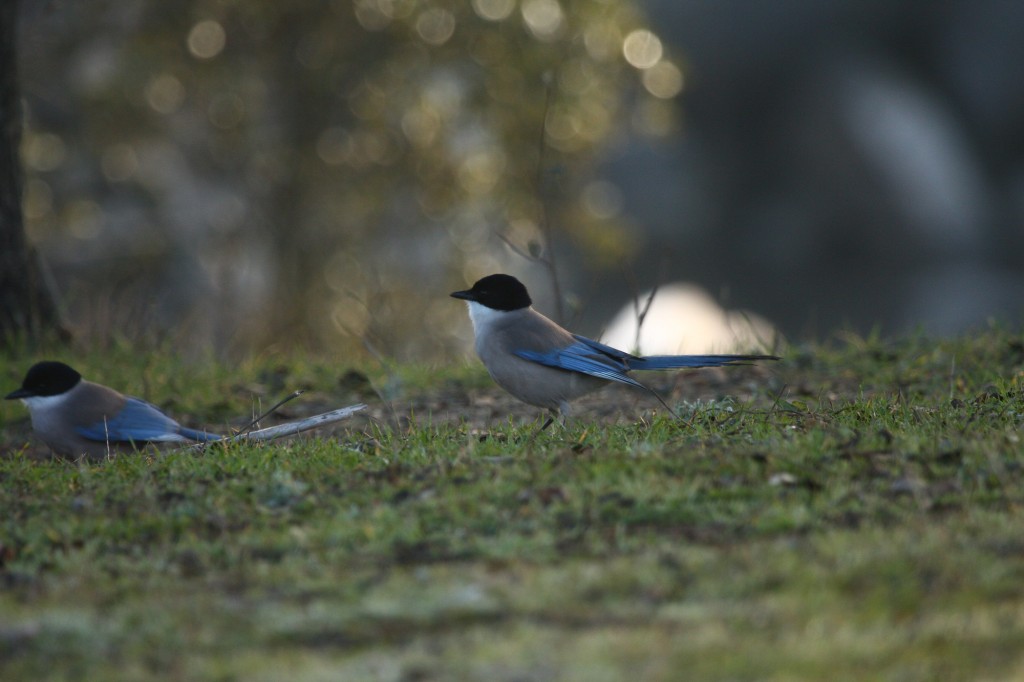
[45, 403]
[484, 318]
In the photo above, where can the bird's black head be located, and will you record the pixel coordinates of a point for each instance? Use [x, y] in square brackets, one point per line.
[499, 292]
[47, 378]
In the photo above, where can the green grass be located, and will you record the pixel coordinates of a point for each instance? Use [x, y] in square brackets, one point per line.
[853, 513]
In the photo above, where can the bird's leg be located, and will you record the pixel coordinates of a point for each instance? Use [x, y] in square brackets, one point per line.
[533, 436]
[550, 420]
[562, 414]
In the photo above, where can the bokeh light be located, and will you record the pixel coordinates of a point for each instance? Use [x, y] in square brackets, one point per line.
[206, 40]
[481, 171]
[165, 94]
[83, 219]
[663, 80]
[544, 18]
[421, 125]
[43, 152]
[494, 10]
[375, 15]
[435, 26]
[642, 49]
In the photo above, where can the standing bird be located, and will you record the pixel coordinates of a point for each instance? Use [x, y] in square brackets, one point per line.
[543, 364]
[77, 417]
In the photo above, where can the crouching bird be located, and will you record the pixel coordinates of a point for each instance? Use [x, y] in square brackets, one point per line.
[543, 364]
[76, 417]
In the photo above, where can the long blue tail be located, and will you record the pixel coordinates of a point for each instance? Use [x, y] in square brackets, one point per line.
[679, 361]
[671, 361]
[198, 436]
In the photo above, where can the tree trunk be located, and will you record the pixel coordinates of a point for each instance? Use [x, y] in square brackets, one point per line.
[27, 311]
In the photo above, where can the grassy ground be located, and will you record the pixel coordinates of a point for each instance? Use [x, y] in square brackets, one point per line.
[851, 513]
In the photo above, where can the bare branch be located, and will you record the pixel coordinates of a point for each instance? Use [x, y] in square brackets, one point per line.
[519, 252]
[278, 404]
[545, 222]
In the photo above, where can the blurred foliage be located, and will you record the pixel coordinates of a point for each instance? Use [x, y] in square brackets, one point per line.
[313, 174]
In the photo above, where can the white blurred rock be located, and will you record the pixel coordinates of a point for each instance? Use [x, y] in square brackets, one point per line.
[684, 319]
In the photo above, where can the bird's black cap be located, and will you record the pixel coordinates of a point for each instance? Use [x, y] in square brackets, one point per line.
[47, 378]
[498, 292]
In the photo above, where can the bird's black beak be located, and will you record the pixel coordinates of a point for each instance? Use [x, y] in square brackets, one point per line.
[466, 295]
[20, 393]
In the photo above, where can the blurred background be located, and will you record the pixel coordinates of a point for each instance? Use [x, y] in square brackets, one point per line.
[318, 175]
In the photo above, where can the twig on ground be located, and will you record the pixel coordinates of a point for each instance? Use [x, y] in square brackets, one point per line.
[296, 427]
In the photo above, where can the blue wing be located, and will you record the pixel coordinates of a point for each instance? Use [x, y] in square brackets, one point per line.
[584, 357]
[596, 359]
[139, 421]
